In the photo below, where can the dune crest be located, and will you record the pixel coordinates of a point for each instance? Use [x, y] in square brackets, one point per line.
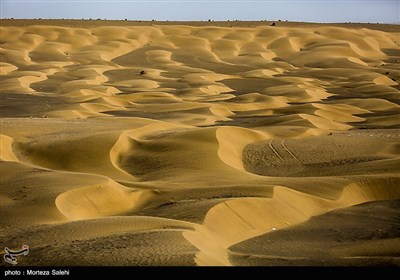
[237, 220]
[103, 200]
[7, 153]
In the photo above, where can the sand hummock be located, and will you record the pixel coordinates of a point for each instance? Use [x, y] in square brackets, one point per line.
[137, 143]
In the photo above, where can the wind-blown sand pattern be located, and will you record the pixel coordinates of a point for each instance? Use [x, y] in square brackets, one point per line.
[200, 145]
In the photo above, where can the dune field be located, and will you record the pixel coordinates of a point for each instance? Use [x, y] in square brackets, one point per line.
[172, 144]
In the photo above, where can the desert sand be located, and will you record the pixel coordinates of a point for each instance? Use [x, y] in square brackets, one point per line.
[231, 143]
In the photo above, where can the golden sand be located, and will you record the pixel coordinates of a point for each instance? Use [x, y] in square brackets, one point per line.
[171, 144]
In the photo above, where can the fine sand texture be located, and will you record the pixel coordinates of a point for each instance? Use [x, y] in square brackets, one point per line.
[210, 144]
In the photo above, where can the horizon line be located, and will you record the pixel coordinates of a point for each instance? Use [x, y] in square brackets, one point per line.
[198, 20]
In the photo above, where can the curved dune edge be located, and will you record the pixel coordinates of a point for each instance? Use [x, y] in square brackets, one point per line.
[240, 219]
[89, 155]
[7, 68]
[103, 200]
[123, 144]
[384, 80]
[233, 140]
[230, 152]
[6, 149]
[127, 140]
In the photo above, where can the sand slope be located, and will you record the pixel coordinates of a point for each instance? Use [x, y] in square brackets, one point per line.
[199, 145]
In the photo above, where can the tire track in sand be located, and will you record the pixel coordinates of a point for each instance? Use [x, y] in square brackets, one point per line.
[274, 150]
[289, 151]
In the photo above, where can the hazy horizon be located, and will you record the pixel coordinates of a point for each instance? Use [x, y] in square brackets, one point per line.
[327, 11]
[228, 20]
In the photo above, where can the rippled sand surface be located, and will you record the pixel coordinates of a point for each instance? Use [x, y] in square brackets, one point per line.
[171, 144]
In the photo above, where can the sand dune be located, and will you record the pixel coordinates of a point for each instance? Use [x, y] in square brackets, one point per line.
[171, 144]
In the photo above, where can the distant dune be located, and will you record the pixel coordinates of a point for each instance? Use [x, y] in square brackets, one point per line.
[204, 143]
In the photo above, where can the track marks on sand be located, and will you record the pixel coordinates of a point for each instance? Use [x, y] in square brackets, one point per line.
[285, 151]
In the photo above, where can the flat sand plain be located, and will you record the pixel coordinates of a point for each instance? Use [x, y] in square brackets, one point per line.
[213, 143]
